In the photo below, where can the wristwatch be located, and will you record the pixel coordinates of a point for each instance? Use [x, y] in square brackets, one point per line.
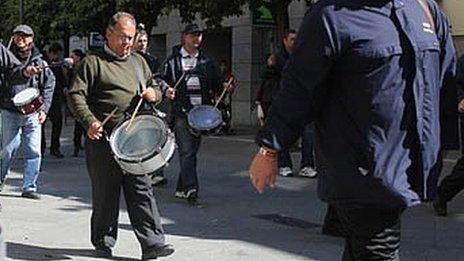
[267, 152]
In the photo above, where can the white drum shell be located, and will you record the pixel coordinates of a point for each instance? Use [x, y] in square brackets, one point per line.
[150, 165]
[25, 96]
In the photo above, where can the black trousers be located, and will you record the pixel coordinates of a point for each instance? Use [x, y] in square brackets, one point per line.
[452, 184]
[370, 233]
[107, 180]
[55, 115]
[79, 132]
[188, 145]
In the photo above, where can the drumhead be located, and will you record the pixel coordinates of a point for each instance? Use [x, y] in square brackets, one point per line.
[145, 138]
[25, 96]
[204, 117]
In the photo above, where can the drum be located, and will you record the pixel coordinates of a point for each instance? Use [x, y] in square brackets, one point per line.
[28, 101]
[144, 147]
[204, 118]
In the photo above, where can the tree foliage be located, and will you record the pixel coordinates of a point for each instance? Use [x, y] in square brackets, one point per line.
[58, 19]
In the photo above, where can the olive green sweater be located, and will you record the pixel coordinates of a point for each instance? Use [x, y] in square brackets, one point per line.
[103, 82]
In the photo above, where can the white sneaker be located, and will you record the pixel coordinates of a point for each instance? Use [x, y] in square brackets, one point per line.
[308, 172]
[285, 172]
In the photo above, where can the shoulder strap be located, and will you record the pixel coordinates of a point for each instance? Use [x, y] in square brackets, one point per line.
[138, 70]
[428, 13]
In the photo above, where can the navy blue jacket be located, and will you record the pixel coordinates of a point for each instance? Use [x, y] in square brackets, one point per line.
[369, 74]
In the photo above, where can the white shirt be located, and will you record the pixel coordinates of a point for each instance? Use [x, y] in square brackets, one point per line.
[193, 82]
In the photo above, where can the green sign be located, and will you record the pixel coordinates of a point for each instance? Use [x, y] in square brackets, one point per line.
[264, 14]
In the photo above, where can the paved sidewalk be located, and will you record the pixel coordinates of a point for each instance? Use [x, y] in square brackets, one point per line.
[235, 222]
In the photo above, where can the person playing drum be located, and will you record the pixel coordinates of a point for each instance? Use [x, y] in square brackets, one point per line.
[105, 80]
[197, 77]
[25, 106]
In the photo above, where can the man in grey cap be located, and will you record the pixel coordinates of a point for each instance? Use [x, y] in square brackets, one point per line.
[19, 127]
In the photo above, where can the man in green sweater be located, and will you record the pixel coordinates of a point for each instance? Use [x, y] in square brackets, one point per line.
[106, 80]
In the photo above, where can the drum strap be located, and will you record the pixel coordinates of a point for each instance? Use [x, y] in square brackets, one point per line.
[138, 70]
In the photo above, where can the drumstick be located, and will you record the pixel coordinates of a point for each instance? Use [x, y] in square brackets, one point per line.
[178, 81]
[9, 43]
[134, 113]
[109, 116]
[223, 92]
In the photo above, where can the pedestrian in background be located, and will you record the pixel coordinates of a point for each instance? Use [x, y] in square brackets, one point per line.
[54, 55]
[452, 184]
[76, 55]
[307, 168]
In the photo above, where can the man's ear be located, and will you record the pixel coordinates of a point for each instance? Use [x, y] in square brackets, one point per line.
[107, 33]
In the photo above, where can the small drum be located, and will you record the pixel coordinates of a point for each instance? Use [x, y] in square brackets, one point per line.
[28, 101]
[146, 146]
[204, 118]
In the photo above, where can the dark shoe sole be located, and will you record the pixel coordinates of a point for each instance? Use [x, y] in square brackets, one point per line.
[159, 252]
[102, 253]
[30, 195]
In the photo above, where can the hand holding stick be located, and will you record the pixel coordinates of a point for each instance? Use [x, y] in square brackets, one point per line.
[223, 93]
[134, 113]
[109, 116]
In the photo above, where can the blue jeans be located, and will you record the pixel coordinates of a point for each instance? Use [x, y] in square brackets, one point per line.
[25, 129]
[307, 149]
[188, 145]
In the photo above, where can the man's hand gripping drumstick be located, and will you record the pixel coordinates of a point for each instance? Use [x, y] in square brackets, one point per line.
[95, 131]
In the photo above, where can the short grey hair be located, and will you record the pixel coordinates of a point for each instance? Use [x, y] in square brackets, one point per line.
[118, 16]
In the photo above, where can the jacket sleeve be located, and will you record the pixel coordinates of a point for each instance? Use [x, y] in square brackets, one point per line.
[48, 81]
[9, 64]
[448, 53]
[80, 90]
[302, 91]
[460, 78]
[164, 75]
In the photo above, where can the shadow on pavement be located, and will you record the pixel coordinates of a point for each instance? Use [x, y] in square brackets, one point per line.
[29, 252]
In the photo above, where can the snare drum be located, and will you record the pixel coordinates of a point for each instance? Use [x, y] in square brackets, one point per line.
[28, 101]
[146, 146]
[204, 118]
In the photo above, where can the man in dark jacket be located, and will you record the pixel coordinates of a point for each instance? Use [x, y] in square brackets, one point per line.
[307, 135]
[141, 46]
[370, 81]
[18, 127]
[452, 184]
[54, 54]
[201, 78]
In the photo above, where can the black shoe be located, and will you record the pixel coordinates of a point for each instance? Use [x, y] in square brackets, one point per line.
[2, 185]
[103, 251]
[30, 195]
[157, 251]
[57, 154]
[440, 207]
[332, 231]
